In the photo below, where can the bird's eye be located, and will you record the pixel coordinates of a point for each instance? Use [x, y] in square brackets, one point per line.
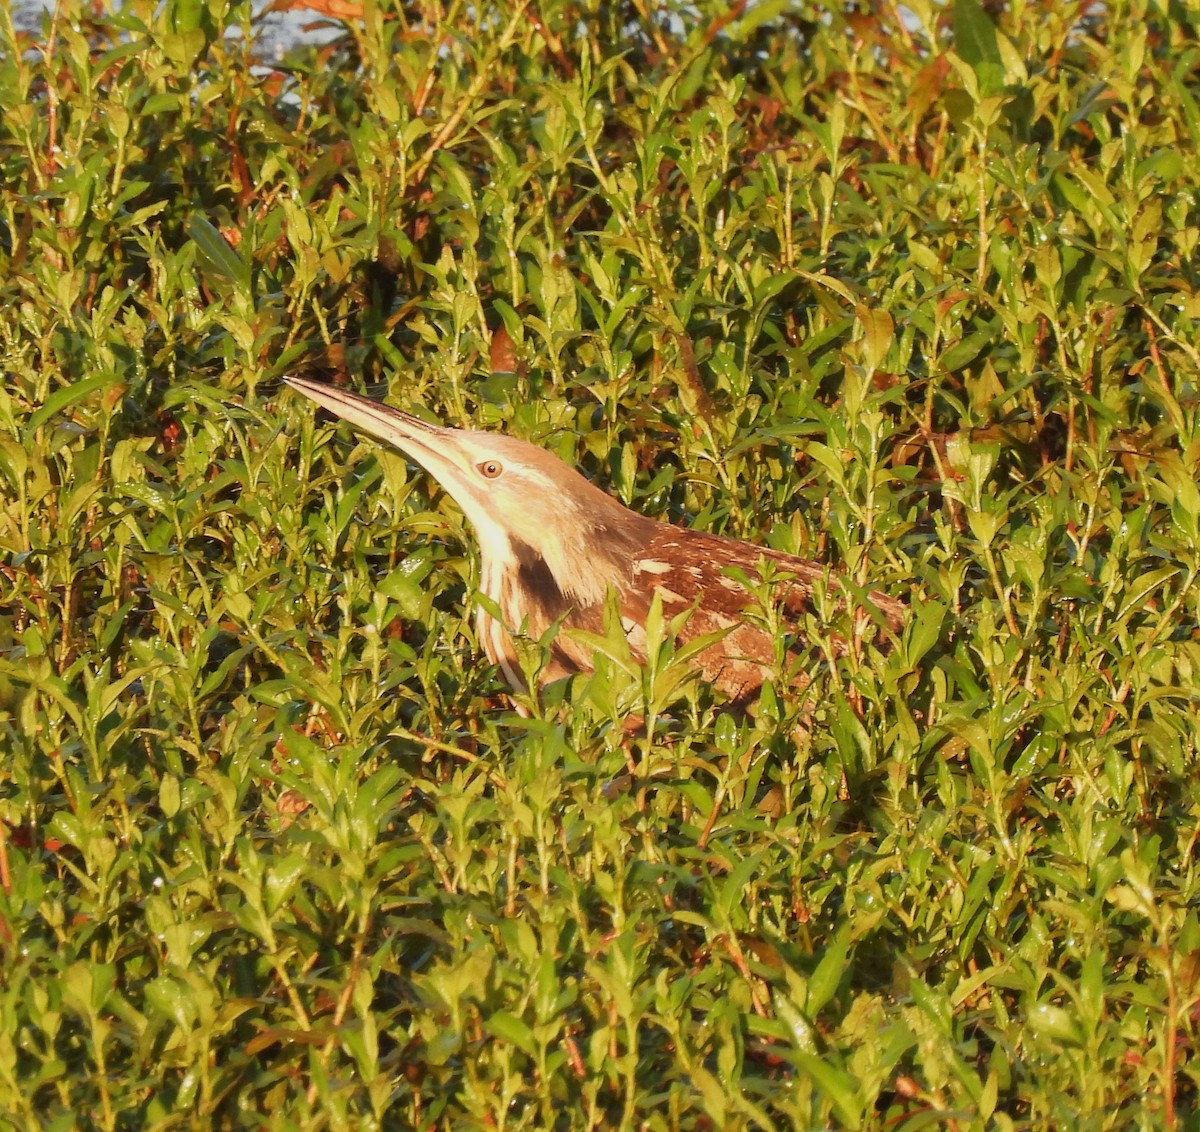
[491, 469]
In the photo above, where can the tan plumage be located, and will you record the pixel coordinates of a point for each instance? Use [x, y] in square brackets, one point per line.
[553, 546]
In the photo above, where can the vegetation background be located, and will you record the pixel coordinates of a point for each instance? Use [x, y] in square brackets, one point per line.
[908, 289]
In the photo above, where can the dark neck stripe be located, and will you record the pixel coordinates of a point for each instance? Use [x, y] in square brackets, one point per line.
[537, 582]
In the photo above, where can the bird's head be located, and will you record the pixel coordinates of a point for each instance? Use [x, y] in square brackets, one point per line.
[519, 498]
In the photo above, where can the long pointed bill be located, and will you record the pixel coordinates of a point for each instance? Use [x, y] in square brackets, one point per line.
[380, 421]
[432, 446]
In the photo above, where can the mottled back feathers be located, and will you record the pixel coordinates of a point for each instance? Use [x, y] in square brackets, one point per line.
[692, 573]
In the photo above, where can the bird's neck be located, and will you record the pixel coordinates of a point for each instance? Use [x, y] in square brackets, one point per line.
[566, 573]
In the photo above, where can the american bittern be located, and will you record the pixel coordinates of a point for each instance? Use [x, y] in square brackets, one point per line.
[552, 547]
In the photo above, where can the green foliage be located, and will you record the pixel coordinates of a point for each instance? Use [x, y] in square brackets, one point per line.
[914, 297]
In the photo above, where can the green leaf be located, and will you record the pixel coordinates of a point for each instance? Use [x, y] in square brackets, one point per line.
[69, 395]
[963, 353]
[975, 37]
[218, 255]
[509, 1028]
[838, 1085]
[830, 972]
[877, 330]
[1054, 1022]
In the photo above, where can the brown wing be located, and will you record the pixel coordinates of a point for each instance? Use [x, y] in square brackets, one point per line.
[692, 570]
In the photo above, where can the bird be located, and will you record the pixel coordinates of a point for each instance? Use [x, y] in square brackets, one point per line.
[554, 548]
